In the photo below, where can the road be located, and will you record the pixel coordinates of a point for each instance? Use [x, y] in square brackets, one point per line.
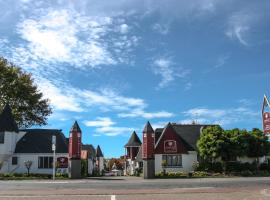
[138, 189]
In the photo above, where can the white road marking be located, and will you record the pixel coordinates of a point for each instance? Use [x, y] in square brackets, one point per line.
[113, 197]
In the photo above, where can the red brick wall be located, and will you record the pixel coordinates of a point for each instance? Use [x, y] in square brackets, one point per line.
[74, 148]
[148, 145]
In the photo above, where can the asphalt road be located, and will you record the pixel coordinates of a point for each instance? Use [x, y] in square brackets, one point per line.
[136, 188]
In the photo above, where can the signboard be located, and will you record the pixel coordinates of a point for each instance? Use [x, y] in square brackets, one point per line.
[170, 146]
[266, 122]
[62, 162]
[53, 142]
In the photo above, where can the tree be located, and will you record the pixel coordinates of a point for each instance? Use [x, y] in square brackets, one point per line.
[233, 145]
[118, 163]
[28, 165]
[18, 89]
[210, 143]
[257, 143]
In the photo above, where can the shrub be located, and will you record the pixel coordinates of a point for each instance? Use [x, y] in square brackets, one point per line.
[246, 173]
[264, 167]
[209, 167]
[200, 174]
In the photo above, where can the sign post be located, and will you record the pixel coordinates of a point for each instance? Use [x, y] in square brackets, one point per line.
[53, 149]
[266, 116]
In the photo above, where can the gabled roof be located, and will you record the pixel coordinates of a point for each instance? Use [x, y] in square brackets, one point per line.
[40, 141]
[75, 127]
[7, 122]
[90, 150]
[190, 133]
[148, 128]
[134, 140]
[99, 152]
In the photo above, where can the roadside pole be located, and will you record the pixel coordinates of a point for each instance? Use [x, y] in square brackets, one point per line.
[53, 148]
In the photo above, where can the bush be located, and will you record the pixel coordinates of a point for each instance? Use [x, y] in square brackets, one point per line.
[172, 175]
[200, 174]
[209, 167]
[246, 173]
[264, 167]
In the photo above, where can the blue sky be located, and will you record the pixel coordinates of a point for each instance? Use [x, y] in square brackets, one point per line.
[113, 65]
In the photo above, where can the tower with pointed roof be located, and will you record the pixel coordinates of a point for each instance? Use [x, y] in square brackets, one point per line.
[99, 159]
[74, 150]
[148, 151]
[8, 134]
[132, 148]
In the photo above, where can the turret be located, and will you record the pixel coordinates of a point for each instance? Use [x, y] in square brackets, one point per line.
[74, 150]
[99, 159]
[75, 141]
[148, 142]
[133, 146]
[148, 151]
[8, 133]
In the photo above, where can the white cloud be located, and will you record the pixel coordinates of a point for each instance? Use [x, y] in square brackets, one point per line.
[221, 60]
[219, 116]
[161, 28]
[68, 98]
[59, 100]
[146, 115]
[165, 68]
[124, 28]
[113, 131]
[64, 38]
[100, 122]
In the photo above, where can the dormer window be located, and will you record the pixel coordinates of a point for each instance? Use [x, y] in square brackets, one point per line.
[2, 137]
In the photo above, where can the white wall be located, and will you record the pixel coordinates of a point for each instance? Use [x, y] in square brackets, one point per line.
[188, 161]
[90, 166]
[251, 159]
[20, 167]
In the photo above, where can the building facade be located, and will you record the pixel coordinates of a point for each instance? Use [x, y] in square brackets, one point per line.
[21, 146]
[172, 148]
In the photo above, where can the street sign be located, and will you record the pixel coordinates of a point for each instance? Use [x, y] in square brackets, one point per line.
[266, 115]
[266, 122]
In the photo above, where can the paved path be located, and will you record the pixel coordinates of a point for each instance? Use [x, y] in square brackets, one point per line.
[137, 189]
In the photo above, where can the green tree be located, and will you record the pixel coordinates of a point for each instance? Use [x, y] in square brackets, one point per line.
[233, 145]
[257, 143]
[18, 89]
[210, 143]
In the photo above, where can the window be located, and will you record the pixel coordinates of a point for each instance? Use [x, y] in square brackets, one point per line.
[15, 160]
[2, 137]
[173, 160]
[45, 162]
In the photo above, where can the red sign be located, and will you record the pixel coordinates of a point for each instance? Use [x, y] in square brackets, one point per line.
[62, 162]
[266, 122]
[170, 146]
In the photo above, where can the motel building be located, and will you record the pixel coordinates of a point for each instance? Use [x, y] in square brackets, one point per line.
[172, 148]
[18, 146]
[175, 145]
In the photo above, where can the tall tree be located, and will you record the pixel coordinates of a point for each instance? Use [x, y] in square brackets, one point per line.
[210, 143]
[258, 144]
[18, 89]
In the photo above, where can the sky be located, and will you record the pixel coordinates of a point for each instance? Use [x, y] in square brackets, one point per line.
[114, 65]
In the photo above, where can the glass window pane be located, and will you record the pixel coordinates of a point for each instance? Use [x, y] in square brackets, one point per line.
[46, 162]
[50, 162]
[2, 137]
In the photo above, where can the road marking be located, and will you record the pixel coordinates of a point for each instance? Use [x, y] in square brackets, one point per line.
[113, 197]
